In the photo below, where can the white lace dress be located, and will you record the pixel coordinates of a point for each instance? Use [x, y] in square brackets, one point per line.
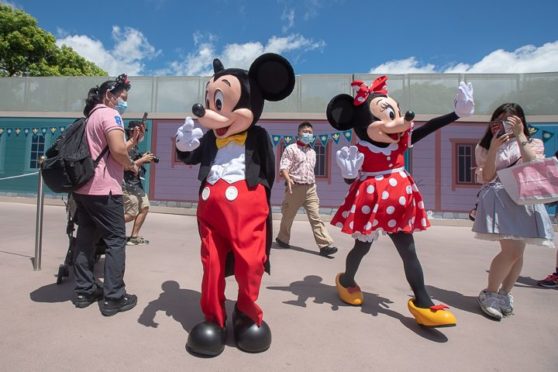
[498, 216]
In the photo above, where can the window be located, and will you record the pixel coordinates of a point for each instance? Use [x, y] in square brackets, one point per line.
[36, 147]
[321, 167]
[37, 150]
[2, 152]
[465, 163]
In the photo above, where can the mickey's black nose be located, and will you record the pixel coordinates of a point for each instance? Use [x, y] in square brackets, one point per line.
[409, 115]
[198, 110]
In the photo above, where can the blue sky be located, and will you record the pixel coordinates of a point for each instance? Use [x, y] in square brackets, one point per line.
[173, 37]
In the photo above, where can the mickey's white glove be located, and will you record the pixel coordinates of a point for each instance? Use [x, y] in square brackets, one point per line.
[463, 102]
[188, 137]
[349, 161]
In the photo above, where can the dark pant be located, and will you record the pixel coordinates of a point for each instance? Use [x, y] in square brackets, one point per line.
[100, 217]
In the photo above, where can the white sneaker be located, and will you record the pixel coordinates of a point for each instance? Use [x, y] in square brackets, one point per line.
[490, 303]
[507, 302]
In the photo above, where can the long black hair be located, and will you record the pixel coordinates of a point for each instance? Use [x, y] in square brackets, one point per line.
[510, 109]
[96, 94]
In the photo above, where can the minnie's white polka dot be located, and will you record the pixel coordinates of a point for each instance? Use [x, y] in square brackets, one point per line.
[411, 222]
[351, 224]
[370, 189]
[403, 174]
[345, 214]
[365, 209]
[423, 222]
[375, 223]
[379, 178]
[390, 209]
[385, 195]
[415, 188]
[393, 182]
[358, 192]
[409, 189]
[375, 208]
[392, 223]
[402, 200]
[353, 208]
[421, 204]
[368, 226]
[390, 165]
[388, 158]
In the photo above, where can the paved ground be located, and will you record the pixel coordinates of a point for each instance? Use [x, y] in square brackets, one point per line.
[312, 330]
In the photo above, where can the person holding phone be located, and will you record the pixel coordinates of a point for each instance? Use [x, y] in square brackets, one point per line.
[505, 143]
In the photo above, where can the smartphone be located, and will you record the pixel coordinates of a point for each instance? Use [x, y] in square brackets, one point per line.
[143, 119]
[501, 127]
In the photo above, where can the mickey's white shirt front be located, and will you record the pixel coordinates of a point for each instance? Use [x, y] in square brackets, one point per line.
[229, 164]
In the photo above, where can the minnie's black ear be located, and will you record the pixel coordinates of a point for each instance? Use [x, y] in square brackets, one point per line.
[341, 112]
[217, 66]
[274, 76]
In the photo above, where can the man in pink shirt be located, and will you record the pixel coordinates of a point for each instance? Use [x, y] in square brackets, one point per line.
[100, 211]
[297, 167]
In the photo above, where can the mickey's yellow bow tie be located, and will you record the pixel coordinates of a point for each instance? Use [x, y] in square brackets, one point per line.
[239, 139]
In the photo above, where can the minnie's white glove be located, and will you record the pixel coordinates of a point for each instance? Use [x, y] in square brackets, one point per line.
[188, 137]
[349, 161]
[463, 102]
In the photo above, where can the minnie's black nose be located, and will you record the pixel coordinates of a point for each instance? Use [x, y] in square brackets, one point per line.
[198, 110]
[409, 115]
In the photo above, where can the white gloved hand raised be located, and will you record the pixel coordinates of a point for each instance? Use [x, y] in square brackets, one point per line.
[188, 137]
[463, 102]
[349, 161]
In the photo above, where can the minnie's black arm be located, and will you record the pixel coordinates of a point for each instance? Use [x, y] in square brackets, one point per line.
[433, 125]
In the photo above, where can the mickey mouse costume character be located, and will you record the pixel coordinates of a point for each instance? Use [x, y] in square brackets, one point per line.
[383, 196]
[237, 171]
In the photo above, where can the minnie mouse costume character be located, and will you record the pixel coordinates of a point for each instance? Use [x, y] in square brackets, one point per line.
[237, 171]
[383, 196]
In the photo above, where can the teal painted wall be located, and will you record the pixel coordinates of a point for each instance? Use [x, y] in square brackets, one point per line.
[16, 150]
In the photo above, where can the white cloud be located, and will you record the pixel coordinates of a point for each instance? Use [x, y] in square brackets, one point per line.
[200, 61]
[528, 58]
[402, 66]
[131, 48]
[288, 17]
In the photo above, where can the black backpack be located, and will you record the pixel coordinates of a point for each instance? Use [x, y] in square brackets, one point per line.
[69, 165]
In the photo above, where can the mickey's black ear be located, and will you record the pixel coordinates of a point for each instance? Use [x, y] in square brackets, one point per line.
[217, 66]
[274, 76]
[341, 112]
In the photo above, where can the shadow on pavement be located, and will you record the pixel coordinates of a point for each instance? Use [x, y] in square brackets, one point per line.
[300, 249]
[312, 287]
[528, 282]
[182, 305]
[455, 299]
[52, 293]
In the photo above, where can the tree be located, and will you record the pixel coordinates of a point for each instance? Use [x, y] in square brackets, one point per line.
[27, 49]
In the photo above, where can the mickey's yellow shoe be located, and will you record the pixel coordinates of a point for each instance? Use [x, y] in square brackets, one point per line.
[433, 316]
[350, 295]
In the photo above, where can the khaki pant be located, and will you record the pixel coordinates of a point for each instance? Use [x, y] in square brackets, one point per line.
[303, 196]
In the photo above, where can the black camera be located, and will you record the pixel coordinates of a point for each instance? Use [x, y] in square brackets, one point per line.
[155, 159]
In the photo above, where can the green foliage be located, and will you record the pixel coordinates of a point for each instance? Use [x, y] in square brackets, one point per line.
[27, 49]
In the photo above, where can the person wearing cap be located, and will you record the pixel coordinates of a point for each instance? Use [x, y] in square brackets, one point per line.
[136, 202]
[100, 210]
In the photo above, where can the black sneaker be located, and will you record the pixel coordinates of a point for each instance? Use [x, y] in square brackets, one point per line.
[327, 251]
[84, 300]
[111, 307]
[282, 244]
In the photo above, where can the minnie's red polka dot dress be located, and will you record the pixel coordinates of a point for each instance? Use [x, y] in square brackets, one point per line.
[385, 197]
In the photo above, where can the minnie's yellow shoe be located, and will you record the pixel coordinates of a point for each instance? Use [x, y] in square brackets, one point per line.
[350, 295]
[433, 316]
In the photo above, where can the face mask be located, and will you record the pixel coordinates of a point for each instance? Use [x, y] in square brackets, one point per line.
[121, 106]
[307, 138]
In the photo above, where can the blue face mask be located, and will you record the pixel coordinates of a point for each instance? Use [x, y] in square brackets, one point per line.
[307, 138]
[121, 106]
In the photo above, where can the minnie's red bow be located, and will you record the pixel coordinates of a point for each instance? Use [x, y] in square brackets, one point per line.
[378, 86]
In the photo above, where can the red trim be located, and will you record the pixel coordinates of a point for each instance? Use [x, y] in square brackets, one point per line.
[438, 171]
[153, 170]
[454, 163]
